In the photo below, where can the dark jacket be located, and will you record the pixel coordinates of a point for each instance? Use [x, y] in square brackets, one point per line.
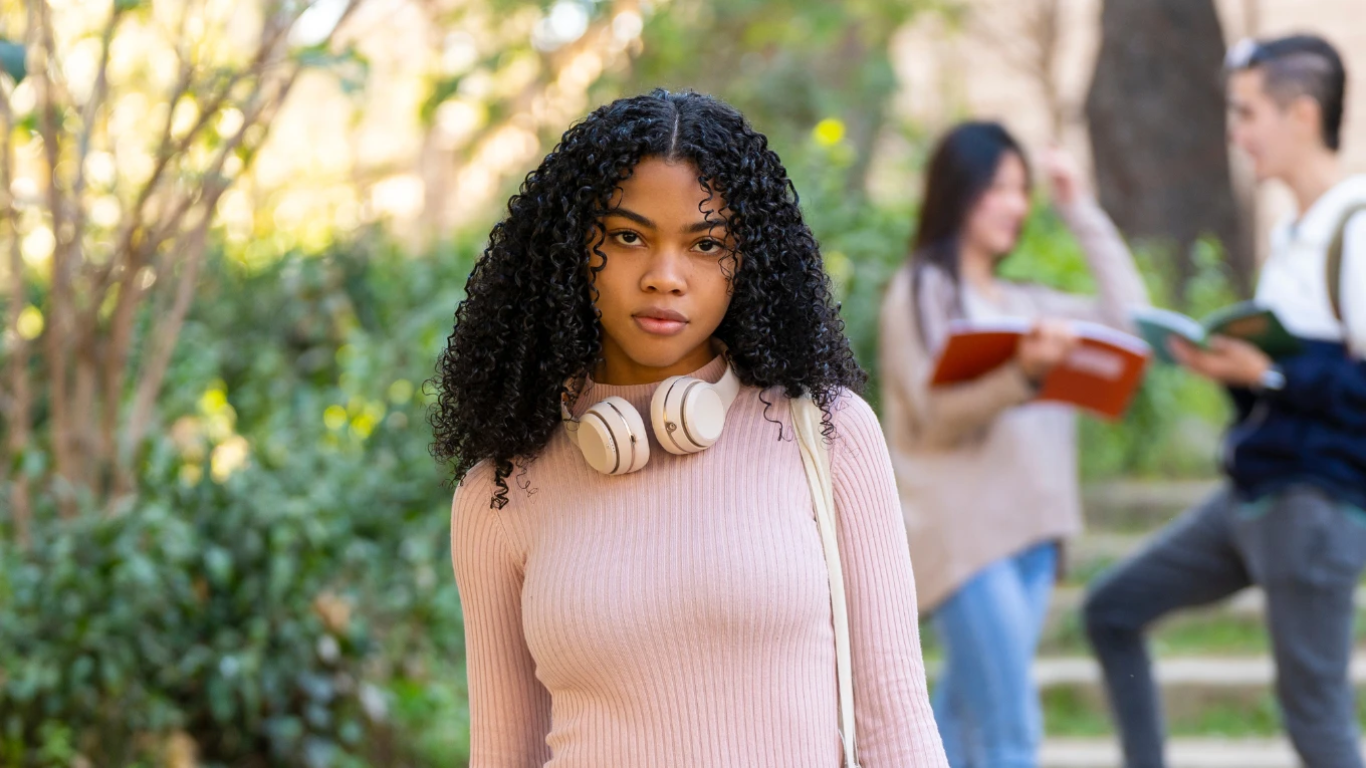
[1313, 431]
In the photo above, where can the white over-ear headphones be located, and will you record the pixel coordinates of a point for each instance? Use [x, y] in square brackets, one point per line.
[687, 414]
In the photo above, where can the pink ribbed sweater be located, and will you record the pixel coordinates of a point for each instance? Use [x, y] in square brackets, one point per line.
[680, 616]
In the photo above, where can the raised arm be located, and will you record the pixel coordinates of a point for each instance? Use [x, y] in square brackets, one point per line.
[941, 417]
[1119, 286]
[509, 708]
[891, 702]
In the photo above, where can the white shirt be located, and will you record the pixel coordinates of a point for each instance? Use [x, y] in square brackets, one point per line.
[1294, 280]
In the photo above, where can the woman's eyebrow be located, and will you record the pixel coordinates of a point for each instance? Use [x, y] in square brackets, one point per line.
[703, 225]
[626, 213]
[706, 225]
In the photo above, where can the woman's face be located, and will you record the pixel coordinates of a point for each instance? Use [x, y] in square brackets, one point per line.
[994, 224]
[665, 286]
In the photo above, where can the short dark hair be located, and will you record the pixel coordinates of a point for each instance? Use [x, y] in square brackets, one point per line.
[1299, 65]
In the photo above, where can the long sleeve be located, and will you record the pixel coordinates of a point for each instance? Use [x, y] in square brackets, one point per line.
[942, 417]
[509, 708]
[892, 709]
[1119, 286]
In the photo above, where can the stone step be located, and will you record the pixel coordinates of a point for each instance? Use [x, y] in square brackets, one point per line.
[1248, 604]
[1195, 690]
[1206, 672]
[1181, 753]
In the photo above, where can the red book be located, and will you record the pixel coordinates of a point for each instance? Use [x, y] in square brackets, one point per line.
[1101, 375]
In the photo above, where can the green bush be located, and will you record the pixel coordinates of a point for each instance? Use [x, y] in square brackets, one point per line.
[209, 611]
[281, 586]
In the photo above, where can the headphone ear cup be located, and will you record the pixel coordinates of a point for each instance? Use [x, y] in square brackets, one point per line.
[703, 415]
[612, 437]
[668, 430]
[687, 414]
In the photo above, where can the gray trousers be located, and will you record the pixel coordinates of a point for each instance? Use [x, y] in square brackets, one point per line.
[1305, 550]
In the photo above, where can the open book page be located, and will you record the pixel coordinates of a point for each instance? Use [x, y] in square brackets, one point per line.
[1101, 374]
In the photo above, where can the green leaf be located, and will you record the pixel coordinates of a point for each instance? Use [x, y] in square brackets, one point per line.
[350, 66]
[14, 60]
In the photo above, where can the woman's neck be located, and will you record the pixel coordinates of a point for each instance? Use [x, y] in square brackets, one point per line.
[979, 272]
[616, 368]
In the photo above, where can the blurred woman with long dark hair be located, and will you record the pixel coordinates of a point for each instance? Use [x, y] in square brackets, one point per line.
[988, 477]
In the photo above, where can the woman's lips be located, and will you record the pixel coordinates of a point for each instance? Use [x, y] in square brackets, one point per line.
[661, 322]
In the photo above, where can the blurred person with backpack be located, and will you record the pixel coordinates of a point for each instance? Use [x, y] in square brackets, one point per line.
[1291, 517]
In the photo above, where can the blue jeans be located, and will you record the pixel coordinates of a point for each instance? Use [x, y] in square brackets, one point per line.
[986, 704]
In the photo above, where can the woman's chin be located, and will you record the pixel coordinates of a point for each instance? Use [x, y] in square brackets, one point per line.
[665, 353]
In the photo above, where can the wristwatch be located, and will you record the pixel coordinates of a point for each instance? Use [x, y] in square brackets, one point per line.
[1272, 380]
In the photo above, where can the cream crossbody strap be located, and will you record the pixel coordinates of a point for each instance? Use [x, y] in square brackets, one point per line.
[806, 418]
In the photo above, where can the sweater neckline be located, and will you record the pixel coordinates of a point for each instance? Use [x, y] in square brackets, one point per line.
[638, 395]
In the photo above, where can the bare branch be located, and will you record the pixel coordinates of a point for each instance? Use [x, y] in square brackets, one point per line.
[92, 107]
[18, 404]
[61, 298]
[129, 252]
[193, 245]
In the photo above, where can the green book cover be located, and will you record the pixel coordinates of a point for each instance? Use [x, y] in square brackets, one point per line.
[1246, 320]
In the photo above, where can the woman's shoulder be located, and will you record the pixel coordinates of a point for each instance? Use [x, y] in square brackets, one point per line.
[852, 419]
[477, 493]
[849, 412]
[856, 423]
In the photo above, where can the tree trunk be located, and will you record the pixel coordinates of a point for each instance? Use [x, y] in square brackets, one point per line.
[1156, 117]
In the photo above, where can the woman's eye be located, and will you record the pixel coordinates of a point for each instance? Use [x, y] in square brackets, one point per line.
[626, 238]
[708, 246]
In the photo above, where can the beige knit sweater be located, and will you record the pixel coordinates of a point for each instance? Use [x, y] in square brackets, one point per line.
[679, 617]
[982, 472]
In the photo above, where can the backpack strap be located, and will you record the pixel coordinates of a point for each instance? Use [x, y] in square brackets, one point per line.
[1335, 248]
[807, 420]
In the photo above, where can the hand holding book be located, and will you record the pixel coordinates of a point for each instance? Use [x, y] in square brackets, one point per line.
[1224, 359]
[1044, 347]
[1083, 364]
[1246, 320]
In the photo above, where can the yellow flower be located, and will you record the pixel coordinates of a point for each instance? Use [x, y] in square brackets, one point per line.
[334, 417]
[228, 457]
[363, 425]
[213, 400]
[30, 323]
[828, 132]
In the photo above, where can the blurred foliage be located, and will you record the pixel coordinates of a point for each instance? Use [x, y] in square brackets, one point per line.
[280, 594]
[786, 64]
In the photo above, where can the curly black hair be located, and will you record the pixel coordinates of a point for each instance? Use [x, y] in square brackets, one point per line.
[528, 327]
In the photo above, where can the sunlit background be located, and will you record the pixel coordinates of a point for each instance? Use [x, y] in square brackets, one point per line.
[235, 232]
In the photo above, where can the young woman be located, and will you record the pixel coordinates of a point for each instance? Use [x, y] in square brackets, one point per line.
[642, 588]
[988, 479]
